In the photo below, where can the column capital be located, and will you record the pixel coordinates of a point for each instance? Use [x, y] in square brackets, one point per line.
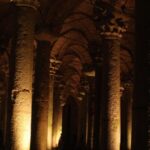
[83, 90]
[113, 28]
[27, 3]
[54, 65]
[114, 21]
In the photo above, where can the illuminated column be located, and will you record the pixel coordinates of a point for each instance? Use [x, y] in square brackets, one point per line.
[112, 83]
[111, 33]
[21, 95]
[40, 97]
[112, 87]
[54, 65]
[57, 125]
[129, 88]
[126, 115]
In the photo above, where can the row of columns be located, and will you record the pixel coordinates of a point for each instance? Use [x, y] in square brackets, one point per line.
[21, 98]
[22, 92]
[31, 111]
[23, 128]
[93, 137]
[43, 125]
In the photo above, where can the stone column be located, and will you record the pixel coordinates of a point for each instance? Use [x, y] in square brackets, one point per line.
[54, 66]
[40, 97]
[3, 100]
[21, 95]
[112, 87]
[82, 113]
[126, 115]
[90, 115]
[98, 101]
[4, 77]
[129, 90]
[111, 32]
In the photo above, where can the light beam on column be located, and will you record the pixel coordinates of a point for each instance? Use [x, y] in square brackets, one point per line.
[111, 32]
[54, 66]
[21, 95]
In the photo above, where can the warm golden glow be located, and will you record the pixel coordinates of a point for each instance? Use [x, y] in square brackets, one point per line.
[114, 138]
[118, 131]
[58, 129]
[129, 138]
[118, 137]
[49, 137]
[50, 119]
[22, 121]
[57, 137]
[25, 134]
[129, 125]
[114, 128]
[87, 128]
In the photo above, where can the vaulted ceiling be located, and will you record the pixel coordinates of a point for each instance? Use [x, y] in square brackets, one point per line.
[59, 16]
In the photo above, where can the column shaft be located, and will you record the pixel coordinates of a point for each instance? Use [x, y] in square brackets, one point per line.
[112, 92]
[98, 106]
[50, 114]
[57, 123]
[40, 97]
[126, 116]
[54, 113]
[21, 97]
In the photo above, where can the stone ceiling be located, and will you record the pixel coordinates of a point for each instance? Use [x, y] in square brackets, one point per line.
[56, 14]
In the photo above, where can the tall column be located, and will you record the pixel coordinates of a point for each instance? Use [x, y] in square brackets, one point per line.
[57, 121]
[82, 113]
[112, 97]
[57, 124]
[21, 95]
[129, 89]
[126, 115]
[40, 97]
[54, 66]
[111, 33]
[98, 102]
[90, 113]
[4, 76]
[3, 99]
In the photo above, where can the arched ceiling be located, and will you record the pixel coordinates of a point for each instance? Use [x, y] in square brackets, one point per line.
[60, 16]
[71, 28]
